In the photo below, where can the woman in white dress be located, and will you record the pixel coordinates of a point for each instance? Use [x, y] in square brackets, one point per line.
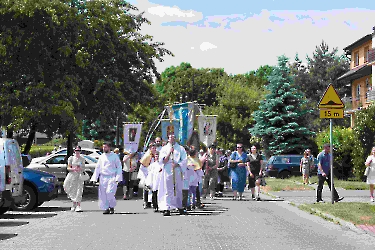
[370, 162]
[73, 185]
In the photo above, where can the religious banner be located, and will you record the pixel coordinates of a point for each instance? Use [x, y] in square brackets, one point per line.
[169, 128]
[207, 129]
[132, 134]
[184, 112]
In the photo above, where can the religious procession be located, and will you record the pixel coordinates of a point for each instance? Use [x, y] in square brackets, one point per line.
[173, 171]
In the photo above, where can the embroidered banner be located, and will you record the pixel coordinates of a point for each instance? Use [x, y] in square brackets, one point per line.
[167, 128]
[184, 112]
[207, 129]
[132, 134]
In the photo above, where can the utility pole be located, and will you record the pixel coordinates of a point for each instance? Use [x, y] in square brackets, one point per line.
[117, 132]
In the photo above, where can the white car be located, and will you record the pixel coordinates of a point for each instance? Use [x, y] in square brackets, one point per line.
[55, 164]
[95, 153]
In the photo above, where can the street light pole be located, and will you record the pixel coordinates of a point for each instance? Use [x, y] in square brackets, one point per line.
[117, 132]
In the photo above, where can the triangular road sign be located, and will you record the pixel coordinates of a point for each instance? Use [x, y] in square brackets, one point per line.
[331, 99]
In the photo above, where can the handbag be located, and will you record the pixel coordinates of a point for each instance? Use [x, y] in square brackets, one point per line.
[84, 176]
[367, 171]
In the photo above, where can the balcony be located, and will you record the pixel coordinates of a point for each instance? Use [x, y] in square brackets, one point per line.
[354, 105]
[371, 56]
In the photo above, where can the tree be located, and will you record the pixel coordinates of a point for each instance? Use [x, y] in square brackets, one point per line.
[237, 99]
[322, 69]
[73, 60]
[279, 116]
[364, 137]
[185, 83]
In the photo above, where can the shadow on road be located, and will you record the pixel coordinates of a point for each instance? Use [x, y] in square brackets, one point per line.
[26, 216]
[13, 223]
[7, 236]
[51, 209]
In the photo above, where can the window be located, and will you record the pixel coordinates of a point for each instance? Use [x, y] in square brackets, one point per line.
[60, 159]
[368, 88]
[356, 58]
[358, 92]
[366, 54]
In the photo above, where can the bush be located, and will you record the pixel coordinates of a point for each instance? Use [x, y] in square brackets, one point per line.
[40, 150]
[364, 133]
[343, 140]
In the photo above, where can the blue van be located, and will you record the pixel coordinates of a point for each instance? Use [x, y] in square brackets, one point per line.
[283, 166]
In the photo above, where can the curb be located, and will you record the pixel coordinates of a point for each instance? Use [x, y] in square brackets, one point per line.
[344, 224]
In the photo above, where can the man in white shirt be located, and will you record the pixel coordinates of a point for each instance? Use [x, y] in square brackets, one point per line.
[158, 144]
[173, 157]
[109, 172]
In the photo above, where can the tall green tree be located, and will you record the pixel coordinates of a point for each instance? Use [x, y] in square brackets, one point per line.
[313, 78]
[279, 116]
[73, 60]
[237, 100]
[185, 83]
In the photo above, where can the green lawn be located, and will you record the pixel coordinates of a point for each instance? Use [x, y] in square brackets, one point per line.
[355, 212]
[297, 180]
[274, 184]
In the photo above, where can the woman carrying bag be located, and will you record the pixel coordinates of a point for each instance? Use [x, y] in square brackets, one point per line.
[74, 181]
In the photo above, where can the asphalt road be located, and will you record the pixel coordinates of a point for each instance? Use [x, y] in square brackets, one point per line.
[223, 224]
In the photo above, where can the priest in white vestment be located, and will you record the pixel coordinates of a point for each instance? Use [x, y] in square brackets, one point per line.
[109, 171]
[173, 156]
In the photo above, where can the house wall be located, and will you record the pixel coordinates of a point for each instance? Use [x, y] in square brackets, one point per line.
[360, 101]
[361, 51]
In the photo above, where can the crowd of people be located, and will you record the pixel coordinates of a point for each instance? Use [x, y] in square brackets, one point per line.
[171, 176]
[174, 177]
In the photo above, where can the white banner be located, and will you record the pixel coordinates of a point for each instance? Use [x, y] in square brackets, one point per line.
[207, 129]
[132, 134]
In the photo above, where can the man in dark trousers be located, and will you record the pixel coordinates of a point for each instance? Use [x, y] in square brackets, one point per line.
[324, 174]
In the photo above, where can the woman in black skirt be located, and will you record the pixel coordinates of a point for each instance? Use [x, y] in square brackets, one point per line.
[254, 167]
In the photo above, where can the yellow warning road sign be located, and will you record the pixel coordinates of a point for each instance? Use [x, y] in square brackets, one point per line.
[331, 99]
[332, 113]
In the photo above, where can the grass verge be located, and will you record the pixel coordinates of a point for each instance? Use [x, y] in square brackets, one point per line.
[275, 185]
[355, 212]
[295, 183]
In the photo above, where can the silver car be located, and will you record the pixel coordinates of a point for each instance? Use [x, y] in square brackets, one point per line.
[95, 153]
[55, 164]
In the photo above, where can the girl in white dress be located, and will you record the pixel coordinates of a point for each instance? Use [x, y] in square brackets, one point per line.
[370, 162]
[73, 185]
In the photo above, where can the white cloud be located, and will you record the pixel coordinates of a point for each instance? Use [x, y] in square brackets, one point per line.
[207, 46]
[243, 43]
[169, 11]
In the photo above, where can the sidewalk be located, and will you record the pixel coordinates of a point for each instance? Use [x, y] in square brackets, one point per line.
[309, 197]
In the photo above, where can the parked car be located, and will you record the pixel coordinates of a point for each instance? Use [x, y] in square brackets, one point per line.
[11, 174]
[283, 166]
[39, 187]
[56, 165]
[84, 151]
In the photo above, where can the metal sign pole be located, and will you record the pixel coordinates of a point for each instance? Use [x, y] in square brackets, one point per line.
[331, 157]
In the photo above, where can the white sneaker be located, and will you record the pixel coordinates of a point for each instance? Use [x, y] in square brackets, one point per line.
[78, 209]
[372, 199]
[73, 208]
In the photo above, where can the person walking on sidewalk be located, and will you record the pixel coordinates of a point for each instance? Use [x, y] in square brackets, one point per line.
[109, 172]
[324, 174]
[370, 163]
[238, 173]
[304, 167]
[254, 166]
[73, 185]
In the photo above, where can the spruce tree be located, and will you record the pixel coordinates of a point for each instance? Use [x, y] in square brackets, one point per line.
[280, 115]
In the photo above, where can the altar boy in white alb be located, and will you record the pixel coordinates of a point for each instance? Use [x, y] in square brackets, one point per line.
[109, 172]
[171, 179]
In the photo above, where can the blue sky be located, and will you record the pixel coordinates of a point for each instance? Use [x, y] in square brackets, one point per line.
[240, 36]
